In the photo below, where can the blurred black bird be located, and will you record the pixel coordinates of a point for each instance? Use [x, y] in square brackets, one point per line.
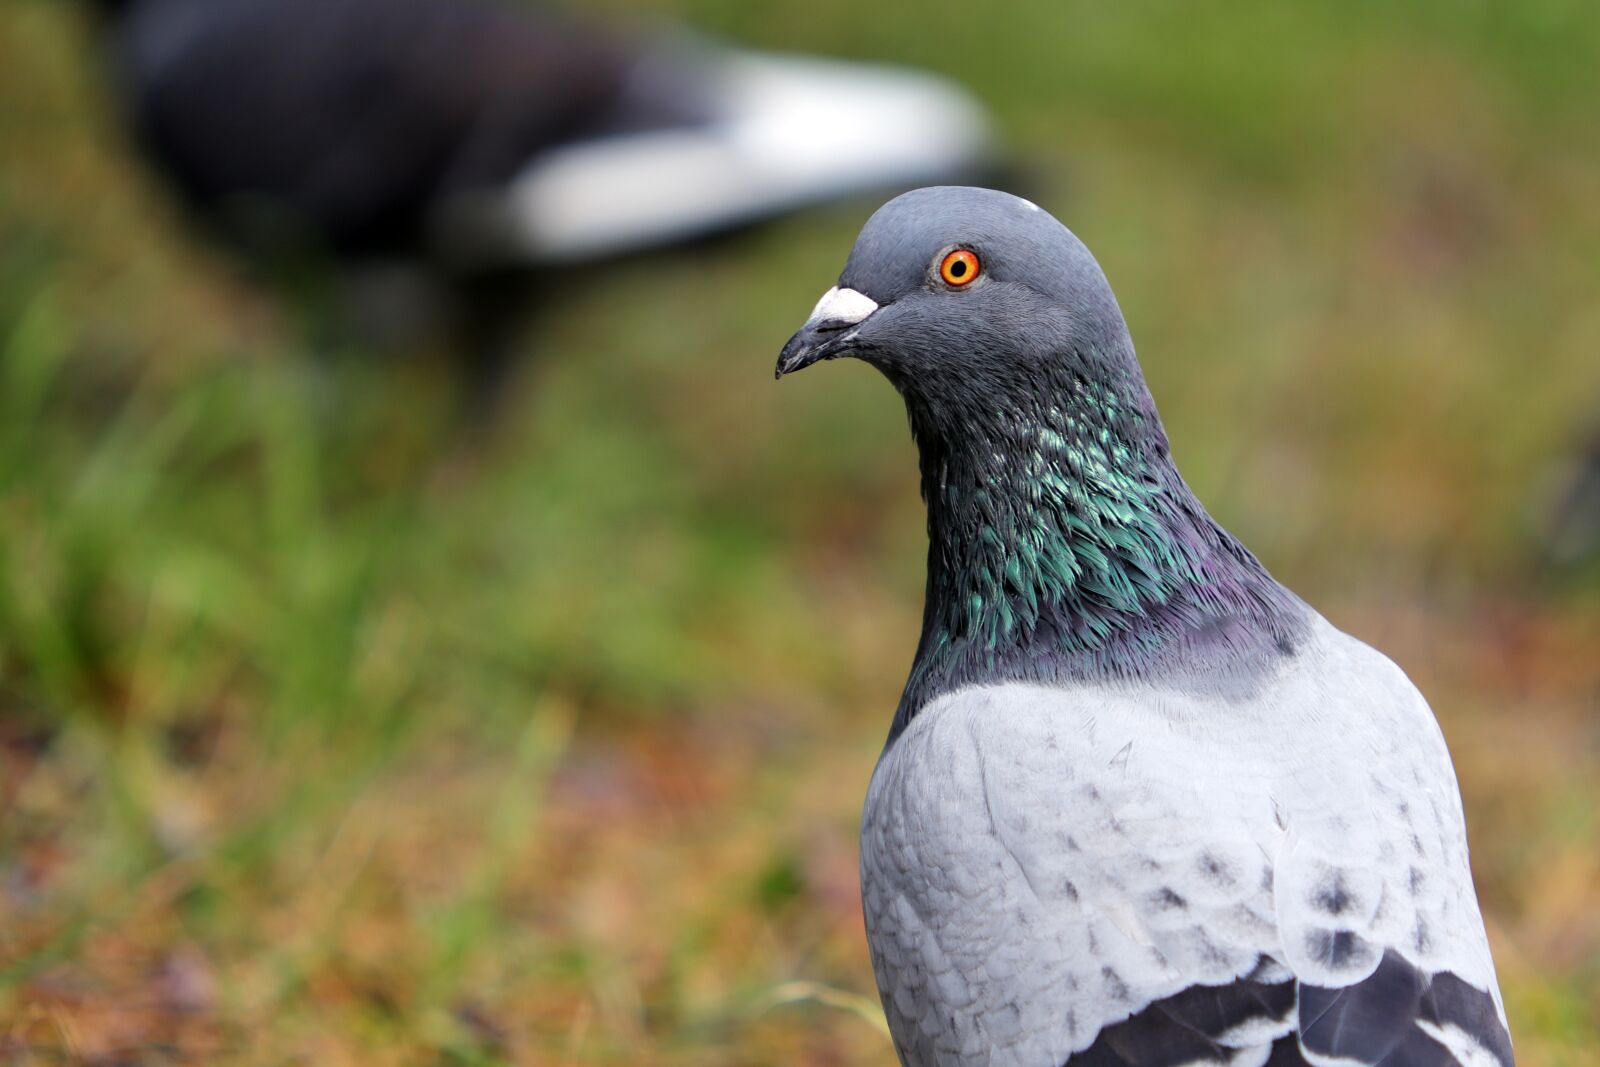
[1572, 531]
[476, 142]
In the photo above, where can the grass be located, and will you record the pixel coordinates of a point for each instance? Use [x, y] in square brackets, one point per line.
[329, 736]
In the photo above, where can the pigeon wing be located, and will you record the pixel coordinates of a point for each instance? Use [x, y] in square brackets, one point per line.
[1110, 875]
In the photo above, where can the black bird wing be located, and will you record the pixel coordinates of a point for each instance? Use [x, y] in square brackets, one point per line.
[353, 116]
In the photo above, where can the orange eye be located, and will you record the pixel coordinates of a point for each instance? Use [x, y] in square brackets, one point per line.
[960, 267]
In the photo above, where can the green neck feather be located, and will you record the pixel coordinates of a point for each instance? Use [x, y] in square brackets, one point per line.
[1064, 544]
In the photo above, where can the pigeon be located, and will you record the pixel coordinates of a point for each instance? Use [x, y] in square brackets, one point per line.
[1140, 805]
[476, 138]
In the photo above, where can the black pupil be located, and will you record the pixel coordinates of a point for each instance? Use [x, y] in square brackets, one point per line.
[958, 268]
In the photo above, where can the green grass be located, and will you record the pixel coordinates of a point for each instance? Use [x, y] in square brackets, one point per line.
[328, 735]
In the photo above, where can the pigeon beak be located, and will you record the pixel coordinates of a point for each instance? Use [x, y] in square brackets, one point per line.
[828, 332]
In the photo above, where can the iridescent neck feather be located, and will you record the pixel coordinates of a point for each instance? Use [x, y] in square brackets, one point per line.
[1065, 547]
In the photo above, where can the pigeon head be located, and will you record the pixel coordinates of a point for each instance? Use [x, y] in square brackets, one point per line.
[974, 301]
[1063, 542]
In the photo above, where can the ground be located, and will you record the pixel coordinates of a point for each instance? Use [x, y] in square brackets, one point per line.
[332, 734]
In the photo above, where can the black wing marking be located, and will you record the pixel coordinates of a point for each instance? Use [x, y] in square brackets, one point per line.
[1376, 1021]
[1286, 1053]
[1187, 1027]
[1448, 1001]
[1365, 1022]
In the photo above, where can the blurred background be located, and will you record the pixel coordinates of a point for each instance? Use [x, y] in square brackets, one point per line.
[357, 709]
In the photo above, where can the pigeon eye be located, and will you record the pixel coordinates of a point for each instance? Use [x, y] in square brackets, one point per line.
[960, 267]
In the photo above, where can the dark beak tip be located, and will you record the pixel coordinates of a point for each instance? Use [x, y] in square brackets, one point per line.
[815, 342]
[801, 350]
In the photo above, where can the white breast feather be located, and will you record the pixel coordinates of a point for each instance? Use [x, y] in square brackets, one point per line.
[1040, 863]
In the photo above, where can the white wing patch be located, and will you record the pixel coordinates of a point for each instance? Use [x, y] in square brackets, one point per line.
[1040, 864]
[1466, 1048]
